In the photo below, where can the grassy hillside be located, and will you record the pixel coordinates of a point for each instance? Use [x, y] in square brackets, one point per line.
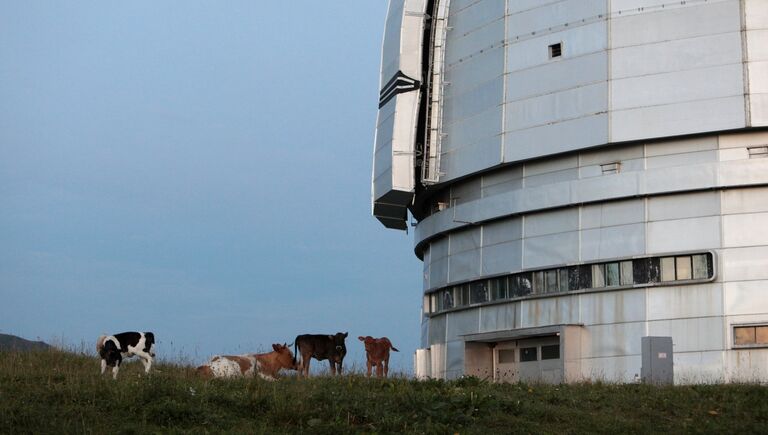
[12, 342]
[58, 392]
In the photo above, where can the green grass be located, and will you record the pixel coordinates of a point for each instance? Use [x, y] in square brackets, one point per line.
[60, 392]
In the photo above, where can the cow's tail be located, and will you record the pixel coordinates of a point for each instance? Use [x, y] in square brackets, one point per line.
[393, 347]
[100, 343]
[295, 351]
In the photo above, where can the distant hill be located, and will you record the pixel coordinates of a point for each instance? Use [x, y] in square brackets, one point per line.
[12, 342]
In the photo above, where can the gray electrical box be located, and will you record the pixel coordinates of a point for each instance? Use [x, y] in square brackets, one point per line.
[657, 365]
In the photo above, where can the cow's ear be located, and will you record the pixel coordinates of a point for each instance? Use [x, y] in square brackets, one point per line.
[346, 334]
[276, 347]
[361, 338]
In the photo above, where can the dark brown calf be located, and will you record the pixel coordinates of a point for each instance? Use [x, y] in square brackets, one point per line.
[321, 347]
[377, 354]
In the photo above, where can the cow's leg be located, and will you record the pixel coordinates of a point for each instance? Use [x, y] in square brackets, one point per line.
[340, 367]
[305, 365]
[115, 369]
[379, 369]
[266, 377]
[386, 367]
[333, 367]
[147, 361]
[369, 366]
[103, 366]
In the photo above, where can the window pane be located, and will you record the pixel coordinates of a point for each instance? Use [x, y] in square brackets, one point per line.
[700, 269]
[743, 335]
[528, 354]
[640, 270]
[573, 278]
[457, 302]
[550, 352]
[479, 292]
[626, 273]
[612, 274]
[498, 288]
[520, 285]
[550, 277]
[525, 284]
[538, 282]
[598, 275]
[506, 355]
[683, 265]
[585, 277]
[654, 270]
[514, 286]
[668, 269]
[563, 279]
[433, 302]
[761, 334]
[425, 304]
[447, 299]
[463, 294]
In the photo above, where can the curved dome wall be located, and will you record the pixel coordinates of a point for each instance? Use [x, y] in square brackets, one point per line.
[626, 70]
[592, 173]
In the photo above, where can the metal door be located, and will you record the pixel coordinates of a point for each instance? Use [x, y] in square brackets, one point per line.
[505, 362]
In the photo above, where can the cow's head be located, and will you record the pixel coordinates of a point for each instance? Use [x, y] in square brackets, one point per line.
[110, 353]
[149, 343]
[369, 342]
[284, 356]
[204, 371]
[339, 344]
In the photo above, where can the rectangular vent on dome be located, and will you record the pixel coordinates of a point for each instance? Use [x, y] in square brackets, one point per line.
[758, 151]
[610, 168]
[555, 50]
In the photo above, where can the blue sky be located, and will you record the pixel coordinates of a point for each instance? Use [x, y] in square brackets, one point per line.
[199, 169]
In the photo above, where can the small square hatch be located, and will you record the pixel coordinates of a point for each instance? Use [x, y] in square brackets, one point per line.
[556, 50]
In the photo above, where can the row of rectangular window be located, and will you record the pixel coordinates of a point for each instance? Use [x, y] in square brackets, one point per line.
[527, 354]
[572, 278]
[750, 335]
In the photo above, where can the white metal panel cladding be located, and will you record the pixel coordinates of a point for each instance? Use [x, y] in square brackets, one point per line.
[672, 68]
[756, 14]
[669, 95]
[498, 317]
[613, 242]
[394, 162]
[474, 88]
[555, 105]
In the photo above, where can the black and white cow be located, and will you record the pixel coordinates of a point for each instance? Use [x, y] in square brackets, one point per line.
[321, 347]
[113, 348]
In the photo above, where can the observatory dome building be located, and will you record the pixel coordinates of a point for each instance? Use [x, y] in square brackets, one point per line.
[588, 185]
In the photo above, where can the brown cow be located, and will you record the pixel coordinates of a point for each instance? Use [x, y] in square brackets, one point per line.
[320, 347]
[264, 365]
[377, 354]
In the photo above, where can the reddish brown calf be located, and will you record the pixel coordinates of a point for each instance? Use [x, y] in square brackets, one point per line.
[377, 354]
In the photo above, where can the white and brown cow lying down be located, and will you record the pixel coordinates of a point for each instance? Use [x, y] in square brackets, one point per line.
[263, 365]
[113, 348]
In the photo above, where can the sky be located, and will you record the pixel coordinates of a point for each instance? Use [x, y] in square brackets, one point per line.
[198, 169]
